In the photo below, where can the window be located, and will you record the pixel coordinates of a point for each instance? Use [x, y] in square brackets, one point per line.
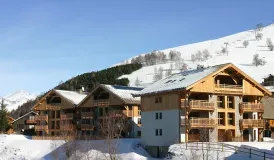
[57, 114]
[139, 121]
[52, 124]
[220, 101]
[158, 115]
[139, 133]
[221, 118]
[231, 119]
[158, 99]
[52, 114]
[230, 102]
[57, 124]
[255, 136]
[158, 132]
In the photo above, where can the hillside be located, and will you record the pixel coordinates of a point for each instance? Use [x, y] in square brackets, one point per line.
[236, 53]
[16, 99]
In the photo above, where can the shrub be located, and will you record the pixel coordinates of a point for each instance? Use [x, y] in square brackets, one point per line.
[245, 43]
[257, 61]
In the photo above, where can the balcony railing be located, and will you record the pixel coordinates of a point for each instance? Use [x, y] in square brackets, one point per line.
[30, 121]
[251, 107]
[201, 105]
[202, 122]
[101, 102]
[67, 127]
[227, 88]
[199, 122]
[41, 118]
[252, 123]
[87, 114]
[87, 127]
[66, 116]
[41, 127]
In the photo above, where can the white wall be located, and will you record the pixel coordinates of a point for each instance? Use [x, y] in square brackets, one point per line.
[170, 125]
[136, 128]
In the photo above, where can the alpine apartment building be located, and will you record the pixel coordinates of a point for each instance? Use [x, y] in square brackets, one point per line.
[69, 113]
[218, 103]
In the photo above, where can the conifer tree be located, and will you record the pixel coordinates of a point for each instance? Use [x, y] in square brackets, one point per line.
[3, 117]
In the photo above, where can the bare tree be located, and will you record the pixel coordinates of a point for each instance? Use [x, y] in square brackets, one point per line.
[160, 72]
[181, 65]
[226, 44]
[259, 36]
[269, 44]
[245, 43]
[259, 27]
[112, 127]
[193, 58]
[137, 82]
[205, 55]
[223, 51]
[257, 61]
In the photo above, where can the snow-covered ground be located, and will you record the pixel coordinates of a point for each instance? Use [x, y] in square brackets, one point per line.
[237, 54]
[14, 100]
[19, 147]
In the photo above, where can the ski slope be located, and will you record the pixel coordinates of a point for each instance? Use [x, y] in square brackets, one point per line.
[237, 54]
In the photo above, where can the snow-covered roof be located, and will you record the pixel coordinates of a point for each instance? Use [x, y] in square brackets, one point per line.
[124, 92]
[72, 96]
[24, 116]
[270, 88]
[180, 80]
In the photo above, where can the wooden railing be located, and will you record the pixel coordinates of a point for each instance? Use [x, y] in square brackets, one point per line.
[201, 105]
[53, 106]
[251, 107]
[41, 118]
[252, 123]
[67, 127]
[227, 88]
[87, 114]
[87, 127]
[31, 121]
[101, 102]
[41, 127]
[199, 122]
[66, 116]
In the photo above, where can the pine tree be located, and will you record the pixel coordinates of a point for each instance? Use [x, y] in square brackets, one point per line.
[3, 117]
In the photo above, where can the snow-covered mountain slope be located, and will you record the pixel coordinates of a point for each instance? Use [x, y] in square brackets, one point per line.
[14, 100]
[237, 54]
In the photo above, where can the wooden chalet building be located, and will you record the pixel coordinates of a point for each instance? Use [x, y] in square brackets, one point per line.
[218, 103]
[56, 113]
[24, 122]
[104, 100]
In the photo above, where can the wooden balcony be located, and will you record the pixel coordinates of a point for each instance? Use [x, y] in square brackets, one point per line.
[53, 106]
[199, 105]
[41, 127]
[228, 89]
[66, 116]
[67, 127]
[101, 102]
[30, 122]
[85, 115]
[41, 118]
[251, 107]
[251, 123]
[199, 122]
[87, 127]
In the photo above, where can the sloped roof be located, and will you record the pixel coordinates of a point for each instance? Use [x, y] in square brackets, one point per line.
[268, 107]
[125, 93]
[180, 80]
[24, 116]
[72, 96]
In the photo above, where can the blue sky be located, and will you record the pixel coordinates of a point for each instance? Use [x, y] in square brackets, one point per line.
[44, 42]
